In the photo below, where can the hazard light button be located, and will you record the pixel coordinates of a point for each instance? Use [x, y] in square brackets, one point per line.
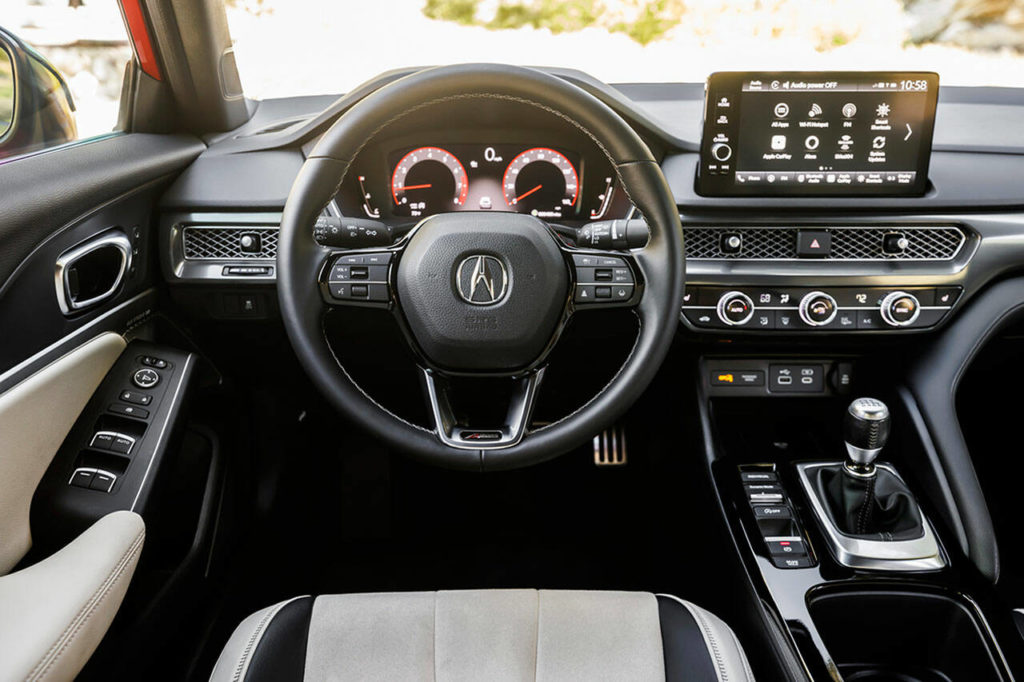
[813, 243]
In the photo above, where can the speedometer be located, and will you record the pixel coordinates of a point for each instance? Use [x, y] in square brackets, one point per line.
[428, 180]
[542, 182]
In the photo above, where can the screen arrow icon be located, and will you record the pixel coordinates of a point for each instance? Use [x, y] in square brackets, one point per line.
[909, 133]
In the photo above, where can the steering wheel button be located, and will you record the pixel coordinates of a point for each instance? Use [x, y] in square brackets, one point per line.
[146, 378]
[360, 291]
[340, 290]
[623, 276]
[585, 293]
[352, 259]
[377, 258]
[341, 272]
[602, 292]
[582, 261]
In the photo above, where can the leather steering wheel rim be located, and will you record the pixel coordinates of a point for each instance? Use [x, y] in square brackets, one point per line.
[661, 262]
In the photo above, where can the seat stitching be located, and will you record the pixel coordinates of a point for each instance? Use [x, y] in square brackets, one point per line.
[254, 638]
[87, 609]
[723, 671]
[434, 633]
[709, 636]
[536, 639]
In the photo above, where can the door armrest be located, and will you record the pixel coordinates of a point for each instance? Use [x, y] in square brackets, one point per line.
[54, 613]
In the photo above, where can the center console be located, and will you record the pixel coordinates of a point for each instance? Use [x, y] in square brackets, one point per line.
[827, 495]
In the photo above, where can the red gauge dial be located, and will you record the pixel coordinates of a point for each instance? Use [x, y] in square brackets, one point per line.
[542, 182]
[428, 180]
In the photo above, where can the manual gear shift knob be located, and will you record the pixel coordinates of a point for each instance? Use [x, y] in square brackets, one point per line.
[865, 430]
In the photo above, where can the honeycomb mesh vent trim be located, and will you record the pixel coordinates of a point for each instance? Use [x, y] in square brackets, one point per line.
[848, 243]
[202, 242]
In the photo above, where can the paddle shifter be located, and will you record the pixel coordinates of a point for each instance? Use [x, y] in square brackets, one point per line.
[865, 430]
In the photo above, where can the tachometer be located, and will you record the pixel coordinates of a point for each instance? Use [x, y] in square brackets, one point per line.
[542, 182]
[428, 180]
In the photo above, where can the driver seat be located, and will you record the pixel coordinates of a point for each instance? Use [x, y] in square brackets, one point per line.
[483, 635]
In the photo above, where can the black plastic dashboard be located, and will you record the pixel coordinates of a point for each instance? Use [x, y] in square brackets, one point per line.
[962, 232]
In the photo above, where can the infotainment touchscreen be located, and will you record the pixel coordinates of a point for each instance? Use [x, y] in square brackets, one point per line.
[832, 133]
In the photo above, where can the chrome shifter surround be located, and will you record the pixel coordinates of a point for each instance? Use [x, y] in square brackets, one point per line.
[919, 554]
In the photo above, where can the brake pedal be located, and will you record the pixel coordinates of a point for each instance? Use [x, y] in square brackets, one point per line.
[610, 447]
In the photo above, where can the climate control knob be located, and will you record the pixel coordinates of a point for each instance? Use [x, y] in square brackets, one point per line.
[818, 309]
[735, 308]
[900, 309]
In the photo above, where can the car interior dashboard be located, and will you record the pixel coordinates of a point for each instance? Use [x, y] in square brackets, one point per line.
[843, 235]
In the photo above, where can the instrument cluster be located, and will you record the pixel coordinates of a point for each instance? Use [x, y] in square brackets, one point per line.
[549, 182]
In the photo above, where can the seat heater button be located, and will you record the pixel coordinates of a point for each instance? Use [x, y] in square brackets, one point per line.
[102, 481]
[772, 512]
[135, 398]
[146, 378]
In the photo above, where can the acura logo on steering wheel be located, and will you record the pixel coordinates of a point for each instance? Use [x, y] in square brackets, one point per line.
[481, 280]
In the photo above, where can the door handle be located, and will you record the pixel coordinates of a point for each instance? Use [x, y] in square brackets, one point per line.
[92, 271]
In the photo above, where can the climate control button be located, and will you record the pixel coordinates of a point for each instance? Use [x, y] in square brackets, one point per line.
[900, 309]
[735, 308]
[818, 309]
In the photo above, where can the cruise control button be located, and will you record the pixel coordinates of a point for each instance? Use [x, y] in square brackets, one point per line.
[584, 293]
[621, 292]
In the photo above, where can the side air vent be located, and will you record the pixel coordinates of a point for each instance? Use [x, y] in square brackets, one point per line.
[892, 243]
[201, 242]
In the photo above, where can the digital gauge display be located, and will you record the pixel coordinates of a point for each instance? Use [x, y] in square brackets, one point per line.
[539, 181]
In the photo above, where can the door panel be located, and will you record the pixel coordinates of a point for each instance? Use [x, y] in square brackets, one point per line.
[35, 416]
[61, 199]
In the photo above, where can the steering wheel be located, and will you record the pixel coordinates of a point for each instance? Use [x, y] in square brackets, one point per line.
[480, 293]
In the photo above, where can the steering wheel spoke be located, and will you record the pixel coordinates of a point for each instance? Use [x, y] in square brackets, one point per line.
[604, 280]
[358, 278]
[521, 398]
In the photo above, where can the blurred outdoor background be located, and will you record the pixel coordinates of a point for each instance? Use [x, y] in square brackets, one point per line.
[296, 47]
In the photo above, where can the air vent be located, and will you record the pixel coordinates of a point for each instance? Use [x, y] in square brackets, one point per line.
[204, 242]
[848, 243]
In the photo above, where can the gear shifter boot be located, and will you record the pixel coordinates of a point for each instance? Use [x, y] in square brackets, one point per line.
[878, 507]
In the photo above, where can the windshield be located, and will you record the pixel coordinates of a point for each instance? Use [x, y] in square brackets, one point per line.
[299, 47]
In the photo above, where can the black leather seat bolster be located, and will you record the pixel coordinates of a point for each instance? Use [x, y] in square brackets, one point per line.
[683, 643]
[280, 654]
